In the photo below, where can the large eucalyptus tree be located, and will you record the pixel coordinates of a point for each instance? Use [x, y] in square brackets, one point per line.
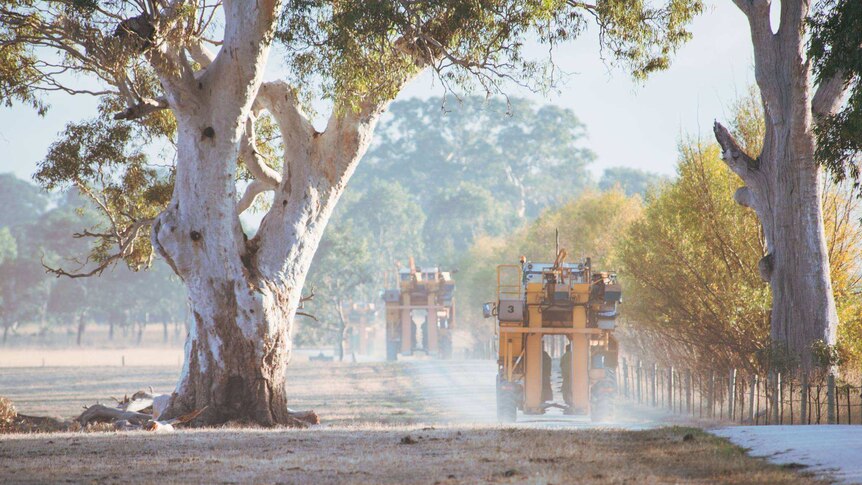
[150, 62]
[783, 182]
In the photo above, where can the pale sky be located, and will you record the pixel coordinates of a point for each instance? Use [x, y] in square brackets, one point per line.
[628, 124]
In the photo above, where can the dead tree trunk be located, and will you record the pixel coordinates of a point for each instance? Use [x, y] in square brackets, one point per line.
[783, 183]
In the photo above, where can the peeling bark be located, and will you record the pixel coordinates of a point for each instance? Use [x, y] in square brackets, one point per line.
[244, 293]
[783, 183]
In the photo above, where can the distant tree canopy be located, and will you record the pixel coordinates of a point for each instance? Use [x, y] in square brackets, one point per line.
[528, 157]
[31, 235]
[20, 202]
[631, 180]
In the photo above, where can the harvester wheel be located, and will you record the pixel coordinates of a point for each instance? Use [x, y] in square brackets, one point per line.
[507, 405]
[603, 397]
[603, 409]
[446, 347]
[391, 351]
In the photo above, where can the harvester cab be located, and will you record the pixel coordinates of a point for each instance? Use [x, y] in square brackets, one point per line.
[562, 309]
[420, 313]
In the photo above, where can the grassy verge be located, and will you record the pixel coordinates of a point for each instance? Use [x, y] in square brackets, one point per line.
[376, 454]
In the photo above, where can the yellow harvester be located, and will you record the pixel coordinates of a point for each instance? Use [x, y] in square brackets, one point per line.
[420, 313]
[542, 306]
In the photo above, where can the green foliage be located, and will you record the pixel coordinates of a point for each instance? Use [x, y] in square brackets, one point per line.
[631, 180]
[8, 246]
[836, 49]
[343, 273]
[27, 293]
[689, 266]
[105, 161]
[589, 226]
[20, 202]
[527, 157]
[358, 51]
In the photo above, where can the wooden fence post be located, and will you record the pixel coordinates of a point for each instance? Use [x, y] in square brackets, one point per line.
[731, 395]
[804, 400]
[778, 404]
[712, 394]
[688, 391]
[625, 378]
[756, 399]
[670, 388]
[751, 399]
[830, 398]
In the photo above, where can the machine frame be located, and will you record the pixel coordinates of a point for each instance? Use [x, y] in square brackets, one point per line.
[431, 291]
[535, 300]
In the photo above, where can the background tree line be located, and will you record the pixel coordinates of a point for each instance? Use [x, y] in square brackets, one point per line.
[442, 179]
[34, 231]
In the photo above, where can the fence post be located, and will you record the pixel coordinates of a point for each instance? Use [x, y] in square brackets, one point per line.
[804, 400]
[688, 391]
[670, 388]
[625, 378]
[712, 394]
[751, 399]
[731, 394]
[756, 399]
[830, 398]
[654, 385]
[778, 405]
[640, 381]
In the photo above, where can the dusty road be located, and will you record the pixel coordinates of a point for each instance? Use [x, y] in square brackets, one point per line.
[422, 422]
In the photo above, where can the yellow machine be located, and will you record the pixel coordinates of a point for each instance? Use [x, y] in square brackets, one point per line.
[541, 306]
[360, 318]
[424, 299]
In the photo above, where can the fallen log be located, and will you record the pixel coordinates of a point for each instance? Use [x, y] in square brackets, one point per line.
[99, 413]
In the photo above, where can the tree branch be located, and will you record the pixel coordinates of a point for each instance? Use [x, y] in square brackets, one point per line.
[146, 107]
[733, 155]
[827, 99]
[254, 160]
[279, 98]
[254, 189]
[125, 241]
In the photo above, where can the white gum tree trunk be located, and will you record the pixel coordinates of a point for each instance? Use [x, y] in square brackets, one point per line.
[237, 349]
[783, 183]
[244, 293]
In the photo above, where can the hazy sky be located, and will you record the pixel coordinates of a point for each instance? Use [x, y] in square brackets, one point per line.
[628, 124]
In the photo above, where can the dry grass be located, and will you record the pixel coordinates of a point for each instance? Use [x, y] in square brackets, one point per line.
[374, 454]
[380, 427]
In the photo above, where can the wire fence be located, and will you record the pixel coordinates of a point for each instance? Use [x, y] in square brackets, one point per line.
[732, 395]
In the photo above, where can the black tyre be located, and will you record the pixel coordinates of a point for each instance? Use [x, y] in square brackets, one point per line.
[391, 351]
[507, 405]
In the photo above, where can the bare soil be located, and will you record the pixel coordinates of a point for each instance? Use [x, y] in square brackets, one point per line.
[381, 425]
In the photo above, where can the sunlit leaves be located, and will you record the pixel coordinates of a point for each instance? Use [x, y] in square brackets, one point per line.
[355, 50]
[690, 267]
[105, 161]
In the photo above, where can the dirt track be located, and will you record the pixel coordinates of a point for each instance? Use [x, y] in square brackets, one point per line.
[411, 422]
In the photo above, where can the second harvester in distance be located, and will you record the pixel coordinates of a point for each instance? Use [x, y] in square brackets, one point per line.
[555, 301]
